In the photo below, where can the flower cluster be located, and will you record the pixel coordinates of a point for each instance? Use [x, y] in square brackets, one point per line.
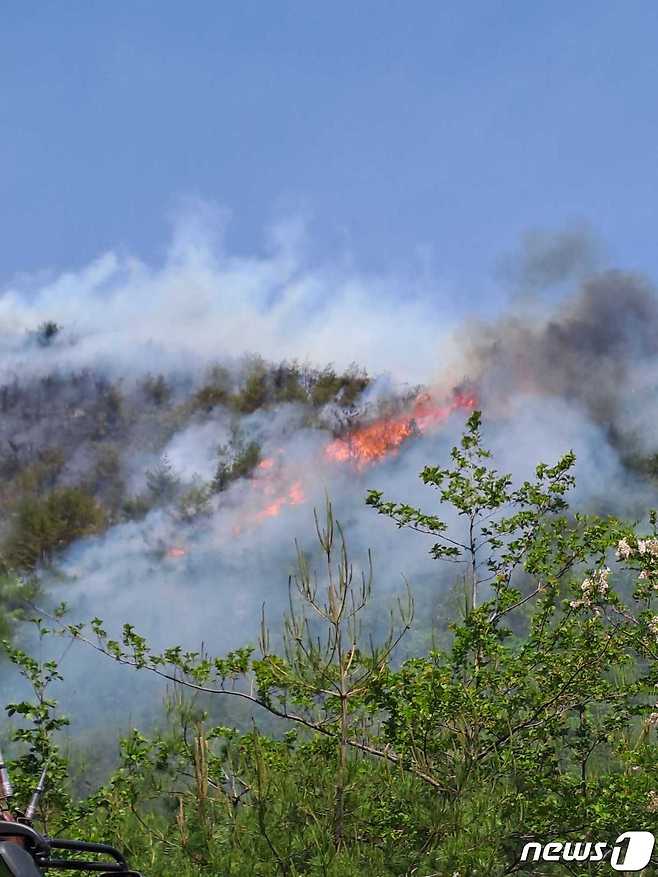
[645, 551]
[624, 550]
[648, 546]
[644, 547]
[594, 587]
[652, 801]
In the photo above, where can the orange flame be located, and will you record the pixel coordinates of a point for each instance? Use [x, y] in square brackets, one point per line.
[292, 495]
[363, 446]
[383, 437]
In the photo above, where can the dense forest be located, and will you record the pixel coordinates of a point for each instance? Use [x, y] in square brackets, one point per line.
[81, 453]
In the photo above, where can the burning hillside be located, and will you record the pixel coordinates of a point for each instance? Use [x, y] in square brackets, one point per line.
[278, 483]
[374, 441]
[175, 496]
[218, 464]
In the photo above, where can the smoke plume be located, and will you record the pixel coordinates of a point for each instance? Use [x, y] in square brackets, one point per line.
[575, 373]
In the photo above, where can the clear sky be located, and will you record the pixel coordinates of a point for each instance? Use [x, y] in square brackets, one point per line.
[404, 131]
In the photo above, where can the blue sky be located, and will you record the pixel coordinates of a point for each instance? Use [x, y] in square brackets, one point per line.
[405, 132]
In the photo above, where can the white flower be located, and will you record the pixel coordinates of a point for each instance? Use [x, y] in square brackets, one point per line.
[641, 546]
[644, 575]
[624, 550]
[592, 587]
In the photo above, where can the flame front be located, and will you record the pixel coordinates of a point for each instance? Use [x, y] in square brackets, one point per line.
[373, 442]
[360, 448]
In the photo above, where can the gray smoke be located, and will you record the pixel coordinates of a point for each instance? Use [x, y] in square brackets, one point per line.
[595, 350]
[578, 374]
[547, 259]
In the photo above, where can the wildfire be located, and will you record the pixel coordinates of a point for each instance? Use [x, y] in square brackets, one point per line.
[383, 437]
[277, 492]
[292, 495]
[363, 446]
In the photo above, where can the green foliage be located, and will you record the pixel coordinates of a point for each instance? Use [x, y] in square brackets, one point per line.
[162, 483]
[236, 459]
[105, 479]
[15, 596]
[41, 475]
[44, 525]
[254, 393]
[263, 385]
[135, 508]
[537, 722]
[33, 737]
[288, 383]
[194, 502]
[217, 390]
[328, 385]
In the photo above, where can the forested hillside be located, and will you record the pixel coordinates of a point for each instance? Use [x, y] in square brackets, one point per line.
[533, 721]
[483, 679]
[73, 444]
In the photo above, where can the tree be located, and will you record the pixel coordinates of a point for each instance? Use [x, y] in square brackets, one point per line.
[536, 723]
[255, 391]
[44, 525]
[162, 482]
[236, 459]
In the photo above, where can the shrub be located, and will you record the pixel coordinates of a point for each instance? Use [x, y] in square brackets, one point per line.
[162, 483]
[44, 525]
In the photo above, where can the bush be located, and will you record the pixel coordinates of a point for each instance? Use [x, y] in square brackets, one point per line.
[15, 595]
[237, 459]
[328, 386]
[216, 391]
[536, 722]
[254, 393]
[162, 483]
[44, 525]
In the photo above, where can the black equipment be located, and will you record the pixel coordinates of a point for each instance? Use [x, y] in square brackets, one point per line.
[36, 856]
[26, 853]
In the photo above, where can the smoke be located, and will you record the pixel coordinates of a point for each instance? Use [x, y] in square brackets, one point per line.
[203, 304]
[578, 373]
[595, 351]
[547, 259]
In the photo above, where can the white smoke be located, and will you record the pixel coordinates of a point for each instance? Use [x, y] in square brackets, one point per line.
[543, 384]
[203, 304]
